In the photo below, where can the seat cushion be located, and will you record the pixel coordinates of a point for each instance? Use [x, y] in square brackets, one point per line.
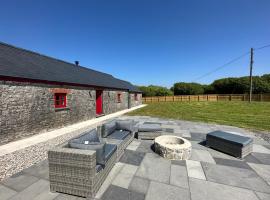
[95, 146]
[149, 127]
[127, 125]
[230, 138]
[119, 135]
[90, 136]
[98, 168]
[109, 151]
[108, 128]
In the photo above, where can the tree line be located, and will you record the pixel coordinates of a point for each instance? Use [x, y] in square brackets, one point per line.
[240, 85]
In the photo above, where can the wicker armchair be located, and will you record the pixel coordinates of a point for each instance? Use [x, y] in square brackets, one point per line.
[73, 171]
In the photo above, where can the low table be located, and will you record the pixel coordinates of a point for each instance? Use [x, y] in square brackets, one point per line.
[173, 147]
[149, 131]
[235, 145]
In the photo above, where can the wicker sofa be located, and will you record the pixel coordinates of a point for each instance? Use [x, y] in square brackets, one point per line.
[78, 171]
[118, 132]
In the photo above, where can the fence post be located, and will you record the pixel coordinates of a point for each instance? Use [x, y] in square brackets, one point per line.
[260, 97]
[198, 97]
[173, 98]
[189, 97]
[165, 99]
[207, 98]
[217, 98]
[230, 97]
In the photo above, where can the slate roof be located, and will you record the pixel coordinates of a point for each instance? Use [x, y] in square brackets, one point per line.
[20, 63]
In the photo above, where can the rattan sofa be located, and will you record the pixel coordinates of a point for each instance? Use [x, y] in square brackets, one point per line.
[76, 171]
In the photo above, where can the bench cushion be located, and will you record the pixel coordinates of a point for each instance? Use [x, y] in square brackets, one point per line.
[230, 138]
[149, 128]
[108, 128]
[119, 135]
[127, 125]
[90, 136]
[109, 151]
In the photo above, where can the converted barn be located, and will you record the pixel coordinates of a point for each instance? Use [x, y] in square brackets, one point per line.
[40, 93]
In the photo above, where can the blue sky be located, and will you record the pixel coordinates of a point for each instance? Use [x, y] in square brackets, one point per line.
[143, 41]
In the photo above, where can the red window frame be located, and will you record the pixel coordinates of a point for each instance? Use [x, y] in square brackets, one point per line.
[136, 97]
[119, 97]
[60, 100]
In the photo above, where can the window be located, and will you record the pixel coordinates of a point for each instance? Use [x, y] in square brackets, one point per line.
[60, 100]
[136, 97]
[119, 99]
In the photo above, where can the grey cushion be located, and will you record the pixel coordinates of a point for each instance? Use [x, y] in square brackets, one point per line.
[98, 168]
[127, 125]
[91, 136]
[109, 151]
[108, 128]
[229, 137]
[96, 146]
[149, 127]
[119, 135]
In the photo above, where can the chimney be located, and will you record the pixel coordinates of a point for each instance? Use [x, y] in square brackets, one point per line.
[77, 63]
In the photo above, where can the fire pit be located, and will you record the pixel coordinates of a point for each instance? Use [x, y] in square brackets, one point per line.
[173, 147]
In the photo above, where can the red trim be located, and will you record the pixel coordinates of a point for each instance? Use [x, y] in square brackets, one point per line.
[99, 104]
[16, 79]
[60, 100]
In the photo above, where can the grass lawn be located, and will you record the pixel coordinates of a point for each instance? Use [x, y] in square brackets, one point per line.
[241, 114]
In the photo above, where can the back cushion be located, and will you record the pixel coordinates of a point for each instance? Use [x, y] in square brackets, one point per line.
[108, 128]
[91, 136]
[95, 146]
[127, 125]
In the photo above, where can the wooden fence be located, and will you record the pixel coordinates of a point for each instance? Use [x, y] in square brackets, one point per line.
[210, 97]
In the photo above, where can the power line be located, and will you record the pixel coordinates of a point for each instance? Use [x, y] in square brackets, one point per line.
[265, 46]
[222, 66]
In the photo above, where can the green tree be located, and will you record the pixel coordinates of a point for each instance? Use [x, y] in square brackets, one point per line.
[153, 90]
[183, 88]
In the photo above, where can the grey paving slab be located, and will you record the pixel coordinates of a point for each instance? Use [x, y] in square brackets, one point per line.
[32, 191]
[262, 170]
[146, 146]
[201, 155]
[68, 197]
[195, 169]
[260, 141]
[133, 145]
[132, 157]
[125, 176]
[115, 193]
[6, 193]
[251, 159]
[267, 146]
[40, 170]
[179, 176]
[46, 195]
[161, 191]
[232, 163]
[198, 136]
[139, 184]
[118, 193]
[234, 176]
[109, 179]
[20, 182]
[155, 168]
[260, 149]
[179, 162]
[262, 157]
[198, 145]
[205, 190]
[263, 196]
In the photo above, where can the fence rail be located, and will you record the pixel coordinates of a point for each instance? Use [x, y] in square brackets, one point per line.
[210, 97]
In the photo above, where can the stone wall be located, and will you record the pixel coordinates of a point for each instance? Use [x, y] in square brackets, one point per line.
[28, 108]
[133, 101]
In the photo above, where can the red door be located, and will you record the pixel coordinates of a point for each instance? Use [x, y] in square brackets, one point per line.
[98, 102]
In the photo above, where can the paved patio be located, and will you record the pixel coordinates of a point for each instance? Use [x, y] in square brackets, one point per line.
[142, 174]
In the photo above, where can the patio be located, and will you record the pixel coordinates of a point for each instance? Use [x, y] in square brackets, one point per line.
[142, 174]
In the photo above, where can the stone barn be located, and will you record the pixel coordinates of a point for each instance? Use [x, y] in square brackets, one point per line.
[40, 93]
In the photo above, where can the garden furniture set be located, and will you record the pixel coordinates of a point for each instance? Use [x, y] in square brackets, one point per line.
[80, 166]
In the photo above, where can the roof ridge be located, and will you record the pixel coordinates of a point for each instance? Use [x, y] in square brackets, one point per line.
[50, 57]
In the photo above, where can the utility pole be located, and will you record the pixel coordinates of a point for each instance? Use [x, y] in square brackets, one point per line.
[250, 74]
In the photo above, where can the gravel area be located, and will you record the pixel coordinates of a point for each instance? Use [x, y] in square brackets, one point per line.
[15, 162]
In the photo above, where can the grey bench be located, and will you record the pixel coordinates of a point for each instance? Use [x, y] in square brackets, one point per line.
[235, 145]
[149, 131]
